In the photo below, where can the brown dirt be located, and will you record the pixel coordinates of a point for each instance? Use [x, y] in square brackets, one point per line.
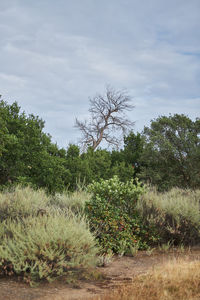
[120, 271]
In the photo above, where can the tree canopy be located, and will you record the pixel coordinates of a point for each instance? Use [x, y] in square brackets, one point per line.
[27, 153]
[171, 154]
[166, 154]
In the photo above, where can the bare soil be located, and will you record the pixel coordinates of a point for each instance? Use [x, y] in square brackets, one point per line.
[121, 271]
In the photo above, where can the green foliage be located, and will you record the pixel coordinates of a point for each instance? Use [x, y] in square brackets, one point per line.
[86, 167]
[27, 154]
[73, 166]
[171, 154]
[175, 215]
[133, 149]
[113, 216]
[123, 171]
[98, 164]
[166, 154]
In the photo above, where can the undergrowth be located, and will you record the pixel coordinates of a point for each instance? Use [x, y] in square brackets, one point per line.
[43, 237]
[22, 202]
[175, 215]
[70, 201]
[38, 246]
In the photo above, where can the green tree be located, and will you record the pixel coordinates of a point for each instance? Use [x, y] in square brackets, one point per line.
[133, 149]
[27, 154]
[124, 171]
[171, 155]
[98, 164]
[73, 165]
[86, 167]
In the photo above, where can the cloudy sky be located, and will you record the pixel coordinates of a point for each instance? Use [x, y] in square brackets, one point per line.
[54, 55]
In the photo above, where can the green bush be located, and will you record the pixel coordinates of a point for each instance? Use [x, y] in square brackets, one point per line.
[175, 215]
[113, 215]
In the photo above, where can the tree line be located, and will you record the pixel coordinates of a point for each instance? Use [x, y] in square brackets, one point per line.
[165, 154]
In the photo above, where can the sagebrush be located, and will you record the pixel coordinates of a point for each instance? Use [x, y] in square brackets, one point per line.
[39, 246]
[175, 215]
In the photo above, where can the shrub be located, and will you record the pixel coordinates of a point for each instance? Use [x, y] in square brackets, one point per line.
[41, 238]
[113, 216]
[174, 214]
[70, 201]
[22, 202]
[45, 247]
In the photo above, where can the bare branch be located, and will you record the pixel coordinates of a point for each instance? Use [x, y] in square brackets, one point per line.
[107, 117]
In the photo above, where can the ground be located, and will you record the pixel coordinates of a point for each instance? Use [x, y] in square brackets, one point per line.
[120, 271]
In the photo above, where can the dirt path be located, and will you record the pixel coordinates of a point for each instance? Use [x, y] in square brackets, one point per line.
[120, 271]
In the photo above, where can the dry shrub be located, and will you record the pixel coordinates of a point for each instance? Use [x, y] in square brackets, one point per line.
[174, 214]
[45, 247]
[70, 201]
[42, 240]
[22, 202]
[177, 279]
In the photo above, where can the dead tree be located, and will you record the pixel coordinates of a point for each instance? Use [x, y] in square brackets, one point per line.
[108, 119]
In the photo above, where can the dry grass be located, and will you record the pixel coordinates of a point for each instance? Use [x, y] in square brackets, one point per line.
[71, 201]
[175, 215]
[176, 202]
[22, 202]
[177, 279]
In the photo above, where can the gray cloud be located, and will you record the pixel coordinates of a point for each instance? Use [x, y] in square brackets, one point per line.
[54, 55]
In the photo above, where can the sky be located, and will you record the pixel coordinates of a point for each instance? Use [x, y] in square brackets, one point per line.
[55, 55]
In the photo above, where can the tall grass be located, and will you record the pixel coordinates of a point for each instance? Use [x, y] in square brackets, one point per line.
[175, 214]
[71, 201]
[175, 280]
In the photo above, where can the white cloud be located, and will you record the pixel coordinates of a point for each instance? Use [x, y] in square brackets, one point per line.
[54, 55]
